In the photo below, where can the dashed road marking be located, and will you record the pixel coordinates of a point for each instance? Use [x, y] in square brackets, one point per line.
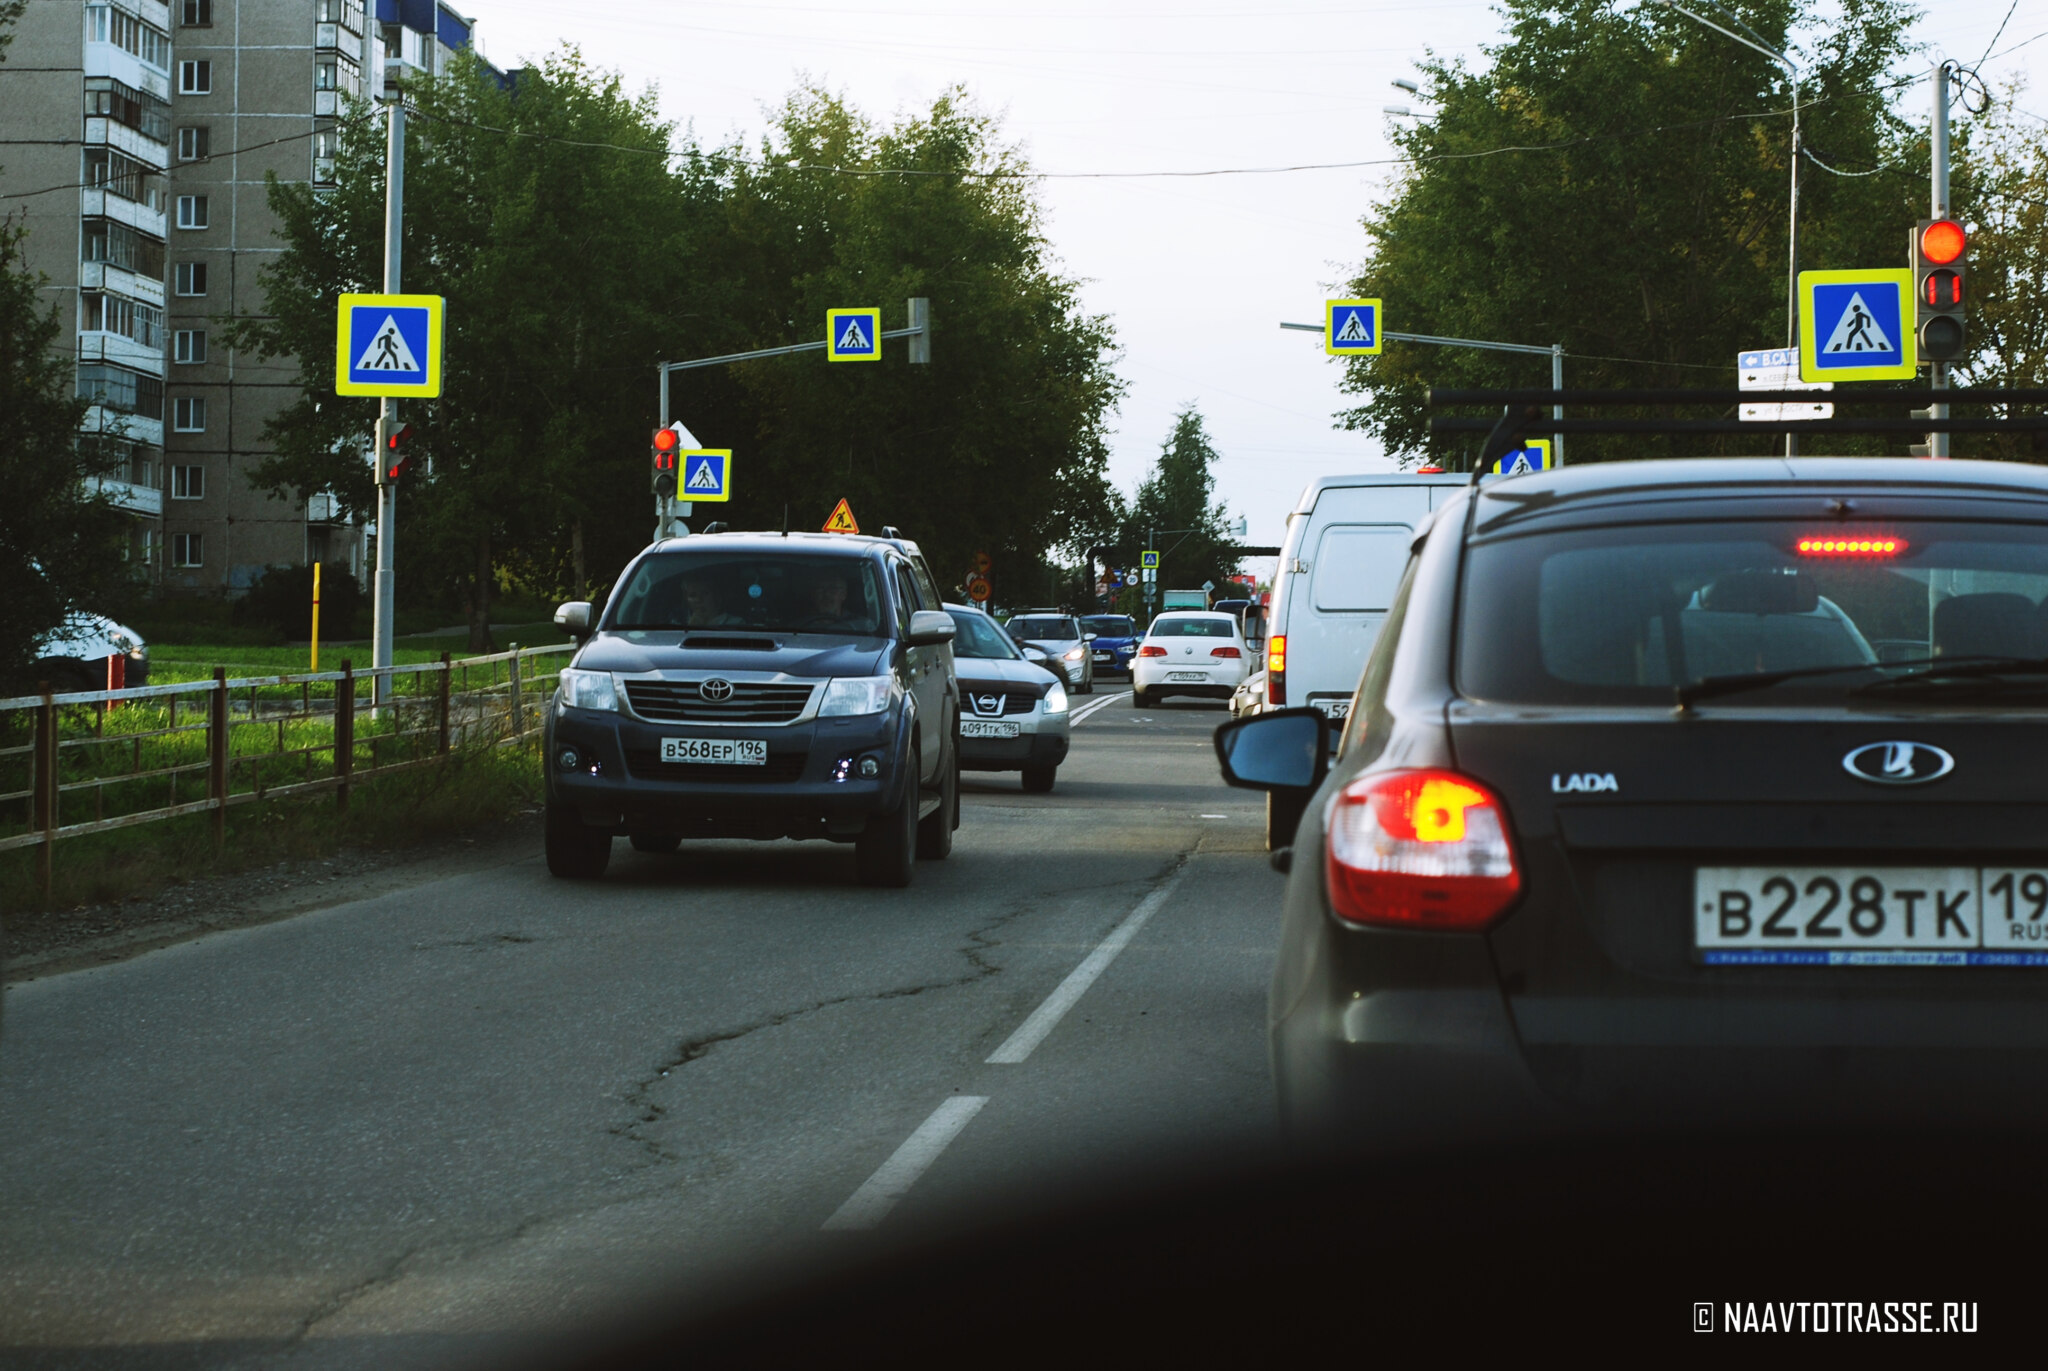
[870, 1204]
[1082, 715]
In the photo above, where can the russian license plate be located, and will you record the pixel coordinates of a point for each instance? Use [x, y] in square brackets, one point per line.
[986, 728]
[1105, 656]
[1871, 916]
[716, 751]
[1187, 675]
[1336, 709]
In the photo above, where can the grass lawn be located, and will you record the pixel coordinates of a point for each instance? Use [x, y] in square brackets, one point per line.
[171, 662]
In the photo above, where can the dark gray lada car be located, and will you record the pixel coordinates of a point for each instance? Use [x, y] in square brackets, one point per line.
[758, 686]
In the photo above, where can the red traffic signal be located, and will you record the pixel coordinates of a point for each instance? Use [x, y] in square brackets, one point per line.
[666, 441]
[1940, 261]
[1942, 241]
[396, 465]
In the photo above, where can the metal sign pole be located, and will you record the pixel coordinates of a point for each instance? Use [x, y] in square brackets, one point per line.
[1938, 440]
[385, 599]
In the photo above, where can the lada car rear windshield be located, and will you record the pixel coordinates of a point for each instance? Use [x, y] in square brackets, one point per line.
[1620, 615]
[778, 592]
[1191, 628]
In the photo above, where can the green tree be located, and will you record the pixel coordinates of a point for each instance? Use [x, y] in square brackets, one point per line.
[548, 217]
[1615, 179]
[2008, 279]
[1176, 496]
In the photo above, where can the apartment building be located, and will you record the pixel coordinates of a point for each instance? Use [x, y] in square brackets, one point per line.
[157, 123]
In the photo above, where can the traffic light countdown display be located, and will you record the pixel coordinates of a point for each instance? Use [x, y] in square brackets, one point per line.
[1940, 249]
[396, 461]
[664, 447]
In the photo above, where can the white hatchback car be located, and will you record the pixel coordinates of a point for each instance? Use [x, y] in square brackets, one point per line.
[1189, 652]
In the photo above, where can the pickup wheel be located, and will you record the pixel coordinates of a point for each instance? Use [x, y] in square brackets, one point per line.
[935, 830]
[576, 852]
[884, 853]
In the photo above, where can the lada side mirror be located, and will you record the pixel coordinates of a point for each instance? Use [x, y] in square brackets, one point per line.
[1283, 750]
[929, 626]
[574, 619]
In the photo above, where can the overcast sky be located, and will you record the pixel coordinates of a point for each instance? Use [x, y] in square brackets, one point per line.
[1196, 273]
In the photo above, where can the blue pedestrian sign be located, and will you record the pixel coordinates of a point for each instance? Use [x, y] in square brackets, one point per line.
[1534, 457]
[388, 345]
[1857, 325]
[1148, 560]
[706, 474]
[853, 335]
[1351, 327]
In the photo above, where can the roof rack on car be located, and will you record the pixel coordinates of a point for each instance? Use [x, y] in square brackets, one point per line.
[1522, 411]
[717, 526]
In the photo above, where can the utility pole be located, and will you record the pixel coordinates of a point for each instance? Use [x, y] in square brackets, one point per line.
[385, 596]
[1938, 442]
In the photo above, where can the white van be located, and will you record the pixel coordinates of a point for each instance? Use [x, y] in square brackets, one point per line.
[1347, 544]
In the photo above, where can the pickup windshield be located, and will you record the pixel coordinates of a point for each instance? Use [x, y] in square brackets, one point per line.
[779, 593]
[1618, 615]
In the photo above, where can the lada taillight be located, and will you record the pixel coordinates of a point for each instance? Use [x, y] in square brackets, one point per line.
[1426, 850]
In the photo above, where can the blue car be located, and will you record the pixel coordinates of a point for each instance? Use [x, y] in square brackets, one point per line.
[1116, 638]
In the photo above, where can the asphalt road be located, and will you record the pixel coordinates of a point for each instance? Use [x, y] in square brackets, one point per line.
[424, 1127]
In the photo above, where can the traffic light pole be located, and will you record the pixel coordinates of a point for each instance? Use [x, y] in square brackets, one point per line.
[385, 598]
[1938, 442]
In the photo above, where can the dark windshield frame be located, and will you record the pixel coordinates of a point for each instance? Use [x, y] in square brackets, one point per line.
[781, 608]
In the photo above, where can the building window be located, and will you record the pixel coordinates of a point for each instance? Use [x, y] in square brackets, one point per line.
[118, 245]
[113, 171]
[118, 388]
[336, 73]
[195, 78]
[188, 345]
[193, 142]
[187, 549]
[347, 13]
[100, 313]
[195, 14]
[191, 211]
[106, 98]
[188, 483]
[191, 278]
[188, 414]
[128, 32]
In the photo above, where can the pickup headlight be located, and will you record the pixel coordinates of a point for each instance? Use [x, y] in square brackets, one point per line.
[856, 695]
[1056, 699]
[588, 690]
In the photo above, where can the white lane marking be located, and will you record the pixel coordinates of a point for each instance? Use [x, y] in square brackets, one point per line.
[868, 1205]
[1081, 715]
[1047, 1016]
[1213, 816]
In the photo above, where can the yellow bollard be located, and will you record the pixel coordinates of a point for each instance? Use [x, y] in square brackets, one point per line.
[316, 616]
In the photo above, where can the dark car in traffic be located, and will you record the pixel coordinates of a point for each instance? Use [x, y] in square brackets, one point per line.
[1680, 793]
[1116, 639]
[758, 686]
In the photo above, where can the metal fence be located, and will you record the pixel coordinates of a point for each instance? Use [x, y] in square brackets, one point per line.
[83, 762]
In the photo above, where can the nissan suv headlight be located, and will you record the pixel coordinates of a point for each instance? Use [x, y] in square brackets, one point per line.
[588, 690]
[1056, 699]
[856, 695]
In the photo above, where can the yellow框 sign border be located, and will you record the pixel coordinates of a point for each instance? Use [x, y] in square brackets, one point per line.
[1873, 279]
[683, 491]
[1379, 328]
[832, 329]
[345, 309]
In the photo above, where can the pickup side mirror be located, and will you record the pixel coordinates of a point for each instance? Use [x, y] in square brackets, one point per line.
[929, 626]
[1283, 750]
[574, 619]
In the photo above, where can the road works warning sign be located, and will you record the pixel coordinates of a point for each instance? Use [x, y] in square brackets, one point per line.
[1857, 325]
[388, 345]
[842, 519]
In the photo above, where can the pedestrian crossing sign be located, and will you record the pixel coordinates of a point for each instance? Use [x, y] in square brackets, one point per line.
[388, 345]
[1148, 560]
[1533, 456]
[1351, 326]
[853, 335]
[706, 474]
[1857, 325]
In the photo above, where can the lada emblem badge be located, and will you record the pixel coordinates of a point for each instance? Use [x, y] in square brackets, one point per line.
[716, 690]
[1898, 763]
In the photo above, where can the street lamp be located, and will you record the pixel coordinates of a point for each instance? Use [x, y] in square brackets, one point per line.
[1792, 231]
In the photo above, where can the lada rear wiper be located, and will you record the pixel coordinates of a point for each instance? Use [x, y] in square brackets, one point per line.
[1708, 687]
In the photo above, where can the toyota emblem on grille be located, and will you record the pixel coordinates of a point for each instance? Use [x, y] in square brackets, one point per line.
[988, 704]
[716, 690]
[1898, 763]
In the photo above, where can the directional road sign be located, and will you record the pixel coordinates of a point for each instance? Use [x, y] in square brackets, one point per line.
[706, 474]
[1534, 456]
[1351, 326]
[1775, 369]
[388, 345]
[1149, 560]
[1857, 325]
[842, 519]
[853, 335]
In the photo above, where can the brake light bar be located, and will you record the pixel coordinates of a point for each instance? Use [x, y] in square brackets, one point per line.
[1276, 669]
[1852, 545]
[1427, 850]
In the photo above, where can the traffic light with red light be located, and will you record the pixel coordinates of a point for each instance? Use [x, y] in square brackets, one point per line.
[1939, 255]
[666, 442]
[396, 461]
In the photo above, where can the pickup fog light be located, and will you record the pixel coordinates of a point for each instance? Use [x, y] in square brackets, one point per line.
[1421, 850]
[1056, 699]
[588, 690]
[846, 695]
[870, 767]
[567, 759]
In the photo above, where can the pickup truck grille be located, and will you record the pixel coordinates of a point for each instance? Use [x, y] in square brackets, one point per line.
[683, 702]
